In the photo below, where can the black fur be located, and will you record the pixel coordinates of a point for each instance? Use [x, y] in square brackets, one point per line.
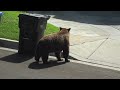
[53, 43]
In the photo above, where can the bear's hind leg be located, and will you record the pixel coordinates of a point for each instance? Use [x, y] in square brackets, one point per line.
[45, 58]
[37, 55]
[57, 54]
[37, 58]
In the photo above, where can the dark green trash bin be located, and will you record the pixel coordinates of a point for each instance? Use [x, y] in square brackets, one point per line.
[32, 27]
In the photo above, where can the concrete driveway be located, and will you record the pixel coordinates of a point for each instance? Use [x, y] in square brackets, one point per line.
[95, 35]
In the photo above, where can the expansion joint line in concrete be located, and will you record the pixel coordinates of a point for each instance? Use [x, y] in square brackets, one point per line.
[98, 47]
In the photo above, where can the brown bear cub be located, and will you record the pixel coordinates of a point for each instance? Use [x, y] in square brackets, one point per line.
[56, 43]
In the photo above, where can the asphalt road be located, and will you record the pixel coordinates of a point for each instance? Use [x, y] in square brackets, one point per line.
[14, 66]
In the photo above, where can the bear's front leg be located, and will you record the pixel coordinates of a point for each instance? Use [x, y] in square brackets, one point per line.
[65, 55]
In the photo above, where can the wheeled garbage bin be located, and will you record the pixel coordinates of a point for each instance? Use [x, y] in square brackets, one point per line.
[31, 29]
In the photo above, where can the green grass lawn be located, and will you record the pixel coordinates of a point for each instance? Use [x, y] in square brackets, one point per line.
[9, 25]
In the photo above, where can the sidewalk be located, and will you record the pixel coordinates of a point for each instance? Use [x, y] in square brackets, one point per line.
[94, 37]
[13, 66]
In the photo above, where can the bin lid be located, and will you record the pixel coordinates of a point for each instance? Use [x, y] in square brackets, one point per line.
[37, 15]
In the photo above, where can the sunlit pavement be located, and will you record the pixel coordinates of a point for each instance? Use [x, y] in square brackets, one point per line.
[94, 37]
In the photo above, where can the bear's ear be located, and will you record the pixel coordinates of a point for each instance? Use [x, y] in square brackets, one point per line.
[69, 29]
[61, 28]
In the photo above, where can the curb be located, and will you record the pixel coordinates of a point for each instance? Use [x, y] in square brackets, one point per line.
[13, 44]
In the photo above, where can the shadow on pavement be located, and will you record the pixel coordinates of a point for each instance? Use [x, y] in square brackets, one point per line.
[16, 58]
[89, 17]
[40, 65]
[69, 57]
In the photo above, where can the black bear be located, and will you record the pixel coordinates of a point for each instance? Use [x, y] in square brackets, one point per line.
[56, 43]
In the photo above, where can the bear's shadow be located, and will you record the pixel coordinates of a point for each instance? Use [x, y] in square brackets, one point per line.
[40, 65]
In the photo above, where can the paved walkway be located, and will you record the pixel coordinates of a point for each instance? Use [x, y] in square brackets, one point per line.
[94, 37]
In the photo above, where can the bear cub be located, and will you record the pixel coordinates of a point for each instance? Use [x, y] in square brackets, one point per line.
[56, 43]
